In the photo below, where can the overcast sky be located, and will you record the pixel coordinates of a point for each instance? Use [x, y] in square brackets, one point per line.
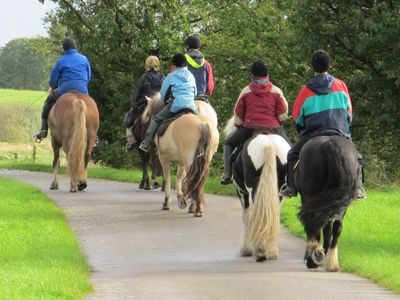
[22, 18]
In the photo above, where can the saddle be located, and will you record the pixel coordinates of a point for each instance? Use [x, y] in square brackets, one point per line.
[164, 125]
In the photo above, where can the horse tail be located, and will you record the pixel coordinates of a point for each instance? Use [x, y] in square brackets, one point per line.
[264, 219]
[76, 153]
[230, 127]
[336, 194]
[197, 175]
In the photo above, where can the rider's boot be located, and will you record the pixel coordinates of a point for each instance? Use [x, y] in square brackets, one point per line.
[145, 145]
[226, 178]
[43, 131]
[360, 192]
[289, 190]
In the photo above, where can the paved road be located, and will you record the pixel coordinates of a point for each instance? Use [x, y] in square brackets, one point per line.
[138, 251]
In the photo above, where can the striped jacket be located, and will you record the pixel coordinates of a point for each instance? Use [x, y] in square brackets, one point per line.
[323, 104]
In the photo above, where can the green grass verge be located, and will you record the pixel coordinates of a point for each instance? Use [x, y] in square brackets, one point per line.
[369, 244]
[40, 257]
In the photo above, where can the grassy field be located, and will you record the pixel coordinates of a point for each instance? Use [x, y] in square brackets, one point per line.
[40, 257]
[34, 98]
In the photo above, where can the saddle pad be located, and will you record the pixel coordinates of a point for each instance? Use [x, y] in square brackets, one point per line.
[164, 125]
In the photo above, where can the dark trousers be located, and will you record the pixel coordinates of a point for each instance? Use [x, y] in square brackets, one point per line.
[48, 104]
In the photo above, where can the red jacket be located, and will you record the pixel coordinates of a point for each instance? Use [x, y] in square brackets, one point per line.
[260, 105]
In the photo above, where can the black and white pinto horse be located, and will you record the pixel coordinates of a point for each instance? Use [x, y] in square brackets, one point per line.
[326, 179]
[258, 173]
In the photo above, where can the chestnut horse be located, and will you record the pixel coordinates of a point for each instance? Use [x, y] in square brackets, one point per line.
[73, 122]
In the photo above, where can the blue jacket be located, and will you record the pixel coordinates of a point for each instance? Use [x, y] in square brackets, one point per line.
[182, 85]
[71, 72]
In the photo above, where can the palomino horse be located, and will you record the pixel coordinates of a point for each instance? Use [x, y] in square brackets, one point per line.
[258, 173]
[327, 180]
[73, 122]
[148, 158]
[190, 141]
[139, 130]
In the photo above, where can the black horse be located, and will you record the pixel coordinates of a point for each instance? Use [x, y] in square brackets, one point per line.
[258, 173]
[326, 179]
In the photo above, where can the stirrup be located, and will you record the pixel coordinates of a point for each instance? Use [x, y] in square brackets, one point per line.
[225, 180]
[360, 194]
[145, 146]
[288, 192]
[40, 135]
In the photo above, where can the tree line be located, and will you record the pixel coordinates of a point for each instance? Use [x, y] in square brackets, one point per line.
[361, 36]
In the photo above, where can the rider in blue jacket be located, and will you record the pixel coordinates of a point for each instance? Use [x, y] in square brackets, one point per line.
[71, 72]
[180, 86]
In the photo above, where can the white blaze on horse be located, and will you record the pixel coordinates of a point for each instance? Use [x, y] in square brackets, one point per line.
[327, 180]
[73, 122]
[258, 173]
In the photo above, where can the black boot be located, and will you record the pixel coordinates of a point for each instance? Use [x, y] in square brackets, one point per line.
[226, 178]
[43, 131]
[290, 189]
[145, 145]
[360, 192]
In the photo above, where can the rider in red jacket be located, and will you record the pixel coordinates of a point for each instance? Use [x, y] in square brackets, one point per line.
[260, 105]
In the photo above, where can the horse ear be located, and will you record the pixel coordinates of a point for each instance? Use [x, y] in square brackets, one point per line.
[148, 99]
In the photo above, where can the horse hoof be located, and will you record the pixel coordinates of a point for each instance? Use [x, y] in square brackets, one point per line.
[261, 258]
[141, 186]
[165, 207]
[54, 186]
[147, 188]
[82, 185]
[198, 214]
[182, 203]
[73, 190]
[156, 186]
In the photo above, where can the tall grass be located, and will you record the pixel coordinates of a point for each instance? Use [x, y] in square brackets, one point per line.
[40, 257]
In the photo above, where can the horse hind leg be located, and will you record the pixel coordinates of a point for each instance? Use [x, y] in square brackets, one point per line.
[144, 183]
[56, 164]
[332, 261]
[179, 194]
[167, 183]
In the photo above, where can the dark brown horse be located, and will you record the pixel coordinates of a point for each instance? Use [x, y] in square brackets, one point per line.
[148, 158]
[73, 122]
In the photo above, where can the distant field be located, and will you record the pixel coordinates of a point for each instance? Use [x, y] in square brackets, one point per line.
[36, 98]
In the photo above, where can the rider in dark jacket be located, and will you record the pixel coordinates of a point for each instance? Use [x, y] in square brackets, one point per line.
[71, 72]
[323, 105]
[149, 84]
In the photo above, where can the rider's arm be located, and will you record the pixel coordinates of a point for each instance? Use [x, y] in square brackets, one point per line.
[55, 76]
[89, 70]
[167, 83]
[210, 79]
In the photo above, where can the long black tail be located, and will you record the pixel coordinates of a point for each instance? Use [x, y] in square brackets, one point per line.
[336, 193]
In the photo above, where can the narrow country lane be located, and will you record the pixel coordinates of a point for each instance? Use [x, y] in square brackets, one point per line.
[138, 251]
